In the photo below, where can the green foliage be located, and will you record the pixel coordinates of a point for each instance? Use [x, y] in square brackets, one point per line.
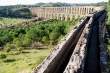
[27, 42]
[45, 39]
[44, 32]
[20, 49]
[51, 42]
[3, 56]
[15, 12]
[17, 42]
[53, 36]
[11, 21]
[60, 38]
[7, 48]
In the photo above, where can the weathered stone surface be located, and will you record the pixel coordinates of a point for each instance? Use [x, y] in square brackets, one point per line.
[103, 53]
[60, 51]
[77, 60]
[62, 13]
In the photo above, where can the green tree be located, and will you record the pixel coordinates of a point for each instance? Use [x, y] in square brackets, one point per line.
[7, 48]
[17, 42]
[27, 42]
[60, 38]
[51, 42]
[45, 39]
[53, 36]
[20, 49]
[2, 56]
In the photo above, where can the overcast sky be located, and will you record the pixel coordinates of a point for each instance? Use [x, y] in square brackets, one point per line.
[14, 2]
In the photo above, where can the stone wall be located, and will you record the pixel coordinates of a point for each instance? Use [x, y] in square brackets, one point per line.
[77, 60]
[52, 63]
[103, 53]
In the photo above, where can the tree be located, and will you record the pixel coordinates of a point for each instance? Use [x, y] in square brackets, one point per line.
[20, 49]
[45, 39]
[2, 56]
[51, 42]
[53, 36]
[17, 42]
[27, 42]
[60, 38]
[7, 48]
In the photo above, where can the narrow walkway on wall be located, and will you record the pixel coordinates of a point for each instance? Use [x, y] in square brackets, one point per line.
[92, 64]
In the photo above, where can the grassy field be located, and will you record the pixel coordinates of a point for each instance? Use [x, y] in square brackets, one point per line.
[11, 21]
[24, 62]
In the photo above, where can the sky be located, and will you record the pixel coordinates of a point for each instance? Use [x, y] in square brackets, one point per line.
[15, 2]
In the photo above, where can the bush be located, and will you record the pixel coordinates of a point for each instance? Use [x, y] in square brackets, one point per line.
[45, 39]
[51, 42]
[27, 42]
[8, 49]
[60, 38]
[3, 56]
[20, 49]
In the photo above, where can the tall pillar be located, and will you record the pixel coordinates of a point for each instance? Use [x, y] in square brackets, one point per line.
[71, 10]
[66, 10]
[62, 17]
[58, 16]
[71, 17]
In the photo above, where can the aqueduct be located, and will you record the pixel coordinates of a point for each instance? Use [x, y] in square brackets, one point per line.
[82, 50]
[62, 13]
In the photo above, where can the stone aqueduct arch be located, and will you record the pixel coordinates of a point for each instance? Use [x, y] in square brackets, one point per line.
[62, 13]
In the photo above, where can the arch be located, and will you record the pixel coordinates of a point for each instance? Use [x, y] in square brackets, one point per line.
[58, 17]
[85, 11]
[55, 16]
[92, 9]
[46, 15]
[52, 16]
[74, 10]
[89, 10]
[80, 11]
[49, 16]
[78, 16]
[67, 17]
[63, 17]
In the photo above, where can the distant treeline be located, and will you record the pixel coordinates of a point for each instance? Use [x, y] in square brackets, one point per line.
[57, 4]
[22, 11]
[14, 12]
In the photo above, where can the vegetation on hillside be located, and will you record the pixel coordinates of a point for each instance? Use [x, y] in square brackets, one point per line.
[15, 44]
[15, 12]
[11, 21]
[48, 32]
[107, 41]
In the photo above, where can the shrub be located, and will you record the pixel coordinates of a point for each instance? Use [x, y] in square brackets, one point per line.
[3, 56]
[8, 49]
[27, 42]
[51, 42]
[45, 39]
[20, 49]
